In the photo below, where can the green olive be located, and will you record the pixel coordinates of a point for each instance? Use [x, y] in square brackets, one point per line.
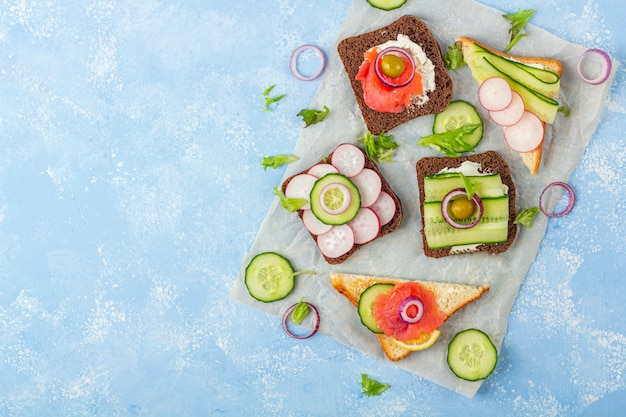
[462, 208]
[392, 65]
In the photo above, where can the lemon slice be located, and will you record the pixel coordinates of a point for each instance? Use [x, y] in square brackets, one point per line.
[425, 341]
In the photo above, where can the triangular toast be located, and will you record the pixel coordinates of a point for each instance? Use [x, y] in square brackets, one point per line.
[533, 158]
[450, 298]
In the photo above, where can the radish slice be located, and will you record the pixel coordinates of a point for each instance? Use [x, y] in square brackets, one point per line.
[338, 241]
[300, 186]
[385, 208]
[366, 226]
[320, 170]
[510, 114]
[495, 94]
[313, 224]
[348, 159]
[339, 191]
[369, 184]
[526, 135]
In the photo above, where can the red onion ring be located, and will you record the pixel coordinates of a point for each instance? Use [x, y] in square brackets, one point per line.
[404, 307]
[599, 57]
[287, 315]
[386, 79]
[293, 62]
[455, 193]
[570, 204]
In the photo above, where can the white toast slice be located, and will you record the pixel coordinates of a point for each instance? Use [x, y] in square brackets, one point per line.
[450, 298]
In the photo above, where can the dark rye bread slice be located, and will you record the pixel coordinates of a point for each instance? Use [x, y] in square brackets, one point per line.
[490, 162]
[351, 52]
[388, 228]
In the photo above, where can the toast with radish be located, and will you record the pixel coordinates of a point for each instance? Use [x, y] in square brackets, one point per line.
[535, 82]
[348, 202]
[438, 300]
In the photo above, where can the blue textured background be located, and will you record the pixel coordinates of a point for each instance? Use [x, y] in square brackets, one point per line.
[130, 188]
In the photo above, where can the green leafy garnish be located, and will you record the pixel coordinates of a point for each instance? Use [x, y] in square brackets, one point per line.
[277, 160]
[311, 116]
[451, 143]
[564, 110]
[527, 217]
[289, 204]
[454, 57]
[300, 312]
[372, 387]
[518, 21]
[379, 148]
[270, 100]
[470, 186]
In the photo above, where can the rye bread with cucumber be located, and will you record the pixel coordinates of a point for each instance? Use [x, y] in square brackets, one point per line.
[352, 49]
[393, 217]
[490, 163]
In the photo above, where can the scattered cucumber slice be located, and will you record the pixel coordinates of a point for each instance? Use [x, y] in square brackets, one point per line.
[329, 188]
[386, 4]
[458, 114]
[366, 305]
[269, 277]
[472, 355]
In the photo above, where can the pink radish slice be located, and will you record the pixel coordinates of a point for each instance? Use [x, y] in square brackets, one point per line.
[348, 159]
[526, 135]
[300, 186]
[338, 241]
[333, 187]
[369, 184]
[510, 114]
[313, 224]
[366, 225]
[320, 170]
[385, 208]
[495, 94]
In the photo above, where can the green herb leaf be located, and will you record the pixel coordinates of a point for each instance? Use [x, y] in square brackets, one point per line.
[300, 312]
[277, 160]
[289, 204]
[379, 148]
[451, 143]
[311, 116]
[527, 217]
[270, 100]
[454, 57]
[470, 186]
[564, 110]
[372, 387]
[518, 21]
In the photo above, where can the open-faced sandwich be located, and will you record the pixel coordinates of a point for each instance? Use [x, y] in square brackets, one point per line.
[349, 202]
[405, 315]
[397, 73]
[467, 204]
[519, 93]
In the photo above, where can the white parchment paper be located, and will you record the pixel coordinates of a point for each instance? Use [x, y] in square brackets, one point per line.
[400, 254]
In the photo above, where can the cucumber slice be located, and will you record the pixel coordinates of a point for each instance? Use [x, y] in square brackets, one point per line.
[492, 228]
[386, 4]
[472, 355]
[487, 186]
[320, 207]
[366, 305]
[459, 113]
[269, 277]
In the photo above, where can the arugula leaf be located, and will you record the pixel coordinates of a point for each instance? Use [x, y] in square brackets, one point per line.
[454, 57]
[277, 160]
[270, 100]
[380, 148]
[300, 312]
[289, 204]
[372, 387]
[527, 217]
[518, 21]
[311, 116]
[470, 186]
[451, 143]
